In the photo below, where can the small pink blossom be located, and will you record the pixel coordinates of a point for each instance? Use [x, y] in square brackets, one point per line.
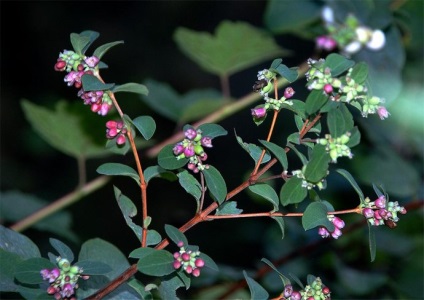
[289, 92]
[259, 112]
[325, 42]
[382, 112]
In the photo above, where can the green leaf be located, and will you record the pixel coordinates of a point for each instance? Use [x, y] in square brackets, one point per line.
[215, 183]
[339, 121]
[290, 74]
[292, 191]
[103, 251]
[28, 271]
[253, 150]
[212, 130]
[100, 51]
[146, 125]
[92, 36]
[317, 167]
[117, 169]
[153, 237]
[228, 208]
[316, 215]
[8, 263]
[79, 42]
[92, 83]
[169, 285]
[157, 171]
[190, 184]
[294, 138]
[298, 153]
[17, 243]
[297, 107]
[175, 235]
[280, 16]
[352, 181]
[164, 100]
[59, 223]
[131, 87]
[316, 99]
[209, 263]
[355, 137]
[360, 73]
[228, 51]
[372, 243]
[168, 160]
[117, 149]
[156, 262]
[280, 221]
[279, 152]
[141, 289]
[257, 292]
[285, 280]
[62, 130]
[129, 210]
[266, 191]
[63, 250]
[338, 64]
[92, 267]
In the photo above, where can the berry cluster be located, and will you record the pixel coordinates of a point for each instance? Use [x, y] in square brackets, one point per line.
[63, 279]
[343, 89]
[349, 36]
[382, 212]
[188, 260]
[315, 291]
[338, 225]
[116, 130]
[336, 147]
[78, 65]
[192, 148]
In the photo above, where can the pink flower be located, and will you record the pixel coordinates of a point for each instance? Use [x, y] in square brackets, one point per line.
[382, 112]
[288, 92]
[92, 61]
[380, 202]
[325, 42]
[323, 232]
[259, 112]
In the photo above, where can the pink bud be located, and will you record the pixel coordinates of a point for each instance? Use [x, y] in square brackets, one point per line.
[382, 112]
[51, 290]
[339, 223]
[190, 133]
[368, 213]
[380, 202]
[288, 92]
[199, 263]
[178, 149]
[336, 233]
[296, 296]
[189, 269]
[60, 65]
[185, 256]
[180, 244]
[177, 264]
[323, 232]
[92, 61]
[325, 290]
[196, 272]
[288, 290]
[189, 151]
[206, 141]
[176, 255]
[259, 112]
[402, 210]
[328, 88]
[120, 140]
[111, 124]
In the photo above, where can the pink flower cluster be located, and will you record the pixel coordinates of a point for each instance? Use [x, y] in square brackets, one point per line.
[338, 225]
[316, 290]
[192, 148]
[116, 130]
[63, 279]
[78, 65]
[381, 212]
[188, 260]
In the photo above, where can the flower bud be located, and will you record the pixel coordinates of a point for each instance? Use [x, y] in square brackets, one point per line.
[323, 232]
[382, 112]
[64, 264]
[368, 213]
[288, 92]
[336, 233]
[288, 290]
[259, 112]
[296, 296]
[189, 151]
[190, 133]
[176, 264]
[185, 256]
[178, 149]
[196, 272]
[380, 202]
[198, 149]
[199, 263]
[339, 223]
[206, 142]
[328, 88]
[120, 140]
[92, 61]
[267, 88]
[60, 65]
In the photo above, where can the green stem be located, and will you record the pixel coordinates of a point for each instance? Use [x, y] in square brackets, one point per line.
[225, 85]
[60, 203]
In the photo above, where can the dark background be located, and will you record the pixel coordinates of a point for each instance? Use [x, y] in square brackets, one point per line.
[32, 35]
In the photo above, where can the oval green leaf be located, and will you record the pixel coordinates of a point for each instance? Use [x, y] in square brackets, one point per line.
[146, 125]
[175, 235]
[156, 263]
[215, 183]
[63, 250]
[212, 130]
[352, 181]
[92, 267]
[292, 191]
[266, 191]
[257, 292]
[92, 83]
[101, 50]
[316, 215]
[28, 271]
[317, 167]
[131, 87]
[316, 99]
[338, 64]
[117, 169]
[279, 152]
[190, 184]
